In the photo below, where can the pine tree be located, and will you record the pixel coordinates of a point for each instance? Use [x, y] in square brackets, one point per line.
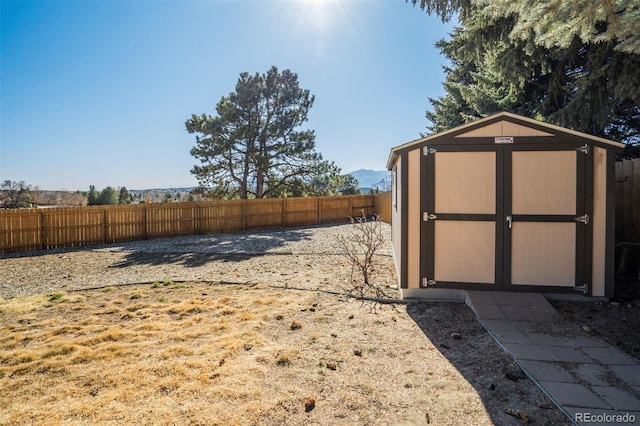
[107, 196]
[92, 196]
[124, 197]
[593, 87]
[349, 185]
[253, 147]
[553, 23]
[557, 23]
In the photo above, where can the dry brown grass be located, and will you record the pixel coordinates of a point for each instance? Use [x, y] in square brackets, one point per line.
[231, 355]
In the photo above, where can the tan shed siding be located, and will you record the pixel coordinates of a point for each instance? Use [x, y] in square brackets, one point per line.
[466, 251]
[533, 170]
[512, 129]
[494, 129]
[503, 128]
[396, 215]
[599, 220]
[466, 182]
[413, 220]
[543, 253]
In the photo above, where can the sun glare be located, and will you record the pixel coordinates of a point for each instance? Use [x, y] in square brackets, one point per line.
[317, 12]
[317, 22]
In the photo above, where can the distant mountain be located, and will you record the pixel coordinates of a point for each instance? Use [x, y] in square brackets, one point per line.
[369, 178]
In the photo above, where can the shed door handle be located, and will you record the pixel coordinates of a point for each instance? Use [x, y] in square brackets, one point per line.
[509, 221]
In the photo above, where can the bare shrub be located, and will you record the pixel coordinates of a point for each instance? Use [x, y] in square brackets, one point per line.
[360, 244]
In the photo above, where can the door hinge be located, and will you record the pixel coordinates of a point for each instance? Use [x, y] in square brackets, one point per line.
[583, 219]
[584, 148]
[426, 150]
[426, 282]
[428, 216]
[584, 288]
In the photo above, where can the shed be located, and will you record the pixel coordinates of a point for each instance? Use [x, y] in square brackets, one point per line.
[505, 203]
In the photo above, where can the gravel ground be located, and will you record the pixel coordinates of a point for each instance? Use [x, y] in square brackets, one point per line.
[292, 257]
[426, 363]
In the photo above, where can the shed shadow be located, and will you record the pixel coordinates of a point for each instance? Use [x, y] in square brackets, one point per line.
[483, 364]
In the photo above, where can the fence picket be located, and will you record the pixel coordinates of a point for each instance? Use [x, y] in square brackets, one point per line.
[40, 229]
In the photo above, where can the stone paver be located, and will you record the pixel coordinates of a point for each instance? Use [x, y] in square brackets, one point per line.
[563, 354]
[543, 339]
[516, 313]
[506, 325]
[619, 399]
[546, 371]
[533, 299]
[584, 376]
[609, 356]
[544, 313]
[489, 312]
[584, 342]
[496, 305]
[531, 352]
[627, 373]
[506, 299]
[574, 394]
[482, 297]
[593, 374]
[512, 337]
[500, 325]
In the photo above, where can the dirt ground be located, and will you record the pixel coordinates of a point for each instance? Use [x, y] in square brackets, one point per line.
[616, 323]
[253, 339]
[210, 353]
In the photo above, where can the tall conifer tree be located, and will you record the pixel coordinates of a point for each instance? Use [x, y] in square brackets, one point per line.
[583, 77]
[254, 147]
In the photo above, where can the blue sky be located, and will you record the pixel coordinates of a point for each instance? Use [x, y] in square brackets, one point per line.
[97, 92]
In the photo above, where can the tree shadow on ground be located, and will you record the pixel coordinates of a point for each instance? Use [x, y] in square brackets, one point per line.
[190, 260]
[496, 378]
[198, 250]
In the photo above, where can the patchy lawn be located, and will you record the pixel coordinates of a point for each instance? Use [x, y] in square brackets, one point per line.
[206, 353]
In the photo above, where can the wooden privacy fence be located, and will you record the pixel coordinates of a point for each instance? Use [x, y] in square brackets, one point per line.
[382, 204]
[628, 201]
[42, 229]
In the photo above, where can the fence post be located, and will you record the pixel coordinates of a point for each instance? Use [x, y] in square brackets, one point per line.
[144, 222]
[61, 227]
[284, 213]
[104, 225]
[244, 214]
[41, 216]
[196, 219]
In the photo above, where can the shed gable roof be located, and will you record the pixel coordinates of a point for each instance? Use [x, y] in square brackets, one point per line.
[502, 128]
[501, 124]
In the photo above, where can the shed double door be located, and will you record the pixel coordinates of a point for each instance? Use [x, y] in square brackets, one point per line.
[504, 217]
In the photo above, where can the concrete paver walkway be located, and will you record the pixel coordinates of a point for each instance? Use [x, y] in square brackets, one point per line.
[591, 381]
